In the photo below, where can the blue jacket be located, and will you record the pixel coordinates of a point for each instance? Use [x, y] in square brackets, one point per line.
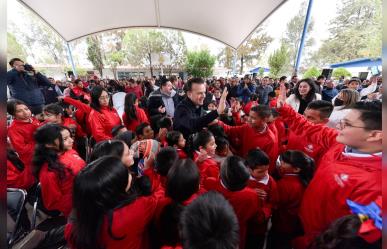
[244, 93]
[27, 88]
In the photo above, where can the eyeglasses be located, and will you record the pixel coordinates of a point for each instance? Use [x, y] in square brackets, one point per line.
[342, 124]
[104, 97]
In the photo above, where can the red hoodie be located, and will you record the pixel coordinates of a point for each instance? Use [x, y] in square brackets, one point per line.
[141, 118]
[246, 204]
[56, 193]
[21, 135]
[340, 176]
[136, 90]
[103, 122]
[251, 139]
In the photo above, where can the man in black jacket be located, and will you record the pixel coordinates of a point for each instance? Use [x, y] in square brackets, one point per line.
[24, 84]
[163, 100]
[190, 117]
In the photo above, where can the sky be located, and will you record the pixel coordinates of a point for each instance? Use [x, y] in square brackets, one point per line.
[322, 12]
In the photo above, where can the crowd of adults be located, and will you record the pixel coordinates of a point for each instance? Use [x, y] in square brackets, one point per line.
[228, 162]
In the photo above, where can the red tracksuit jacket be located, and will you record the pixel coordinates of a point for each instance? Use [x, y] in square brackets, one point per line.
[250, 139]
[303, 143]
[57, 194]
[81, 114]
[130, 222]
[285, 218]
[182, 154]
[141, 118]
[21, 135]
[18, 179]
[103, 122]
[207, 168]
[246, 204]
[339, 176]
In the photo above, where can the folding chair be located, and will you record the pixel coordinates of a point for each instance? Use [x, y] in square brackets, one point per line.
[16, 199]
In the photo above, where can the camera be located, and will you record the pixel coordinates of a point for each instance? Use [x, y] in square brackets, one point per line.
[28, 68]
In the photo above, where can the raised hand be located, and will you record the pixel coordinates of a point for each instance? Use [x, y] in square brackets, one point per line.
[282, 96]
[222, 101]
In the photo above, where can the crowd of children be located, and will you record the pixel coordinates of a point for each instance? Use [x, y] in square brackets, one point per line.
[258, 176]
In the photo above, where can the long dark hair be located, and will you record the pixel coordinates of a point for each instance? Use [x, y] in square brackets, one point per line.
[96, 92]
[47, 135]
[182, 182]
[198, 139]
[14, 158]
[234, 173]
[130, 108]
[98, 189]
[299, 159]
[311, 94]
[107, 148]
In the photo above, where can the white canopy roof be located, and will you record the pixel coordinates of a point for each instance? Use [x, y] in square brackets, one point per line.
[228, 21]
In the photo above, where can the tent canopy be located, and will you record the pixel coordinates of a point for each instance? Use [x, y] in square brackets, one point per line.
[364, 62]
[256, 70]
[228, 21]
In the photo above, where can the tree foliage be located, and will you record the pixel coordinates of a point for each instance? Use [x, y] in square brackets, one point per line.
[338, 72]
[226, 57]
[95, 53]
[15, 49]
[176, 49]
[355, 32]
[279, 61]
[200, 63]
[294, 31]
[312, 72]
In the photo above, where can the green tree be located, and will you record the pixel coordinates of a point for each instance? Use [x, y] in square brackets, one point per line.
[141, 44]
[312, 72]
[15, 49]
[226, 57]
[95, 53]
[355, 32]
[200, 63]
[253, 49]
[261, 71]
[115, 59]
[279, 61]
[80, 70]
[176, 49]
[293, 33]
[338, 72]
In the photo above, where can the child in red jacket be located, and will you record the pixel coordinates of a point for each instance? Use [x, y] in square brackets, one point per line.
[133, 115]
[296, 170]
[204, 146]
[55, 165]
[20, 134]
[256, 134]
[176, 140]
[232, 184]
[103, 117]
[107, 212]
[266, 187]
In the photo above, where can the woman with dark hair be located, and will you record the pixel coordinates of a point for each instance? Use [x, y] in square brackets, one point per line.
[133, 115]
[234, 177]
[107, 214]
[296, 170]
[182, 187]
[20, 133]
[55, 164]
[304, 93]
[103, 116]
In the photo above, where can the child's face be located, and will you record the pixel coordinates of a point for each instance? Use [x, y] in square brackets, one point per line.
[255, 121]
[67, 140]
[22, 112]
[217, 94]
[52, 118]
[260, 172]
[212, 107]
[147, 133]
[127, 156]
[211, 146]
[181, 142]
